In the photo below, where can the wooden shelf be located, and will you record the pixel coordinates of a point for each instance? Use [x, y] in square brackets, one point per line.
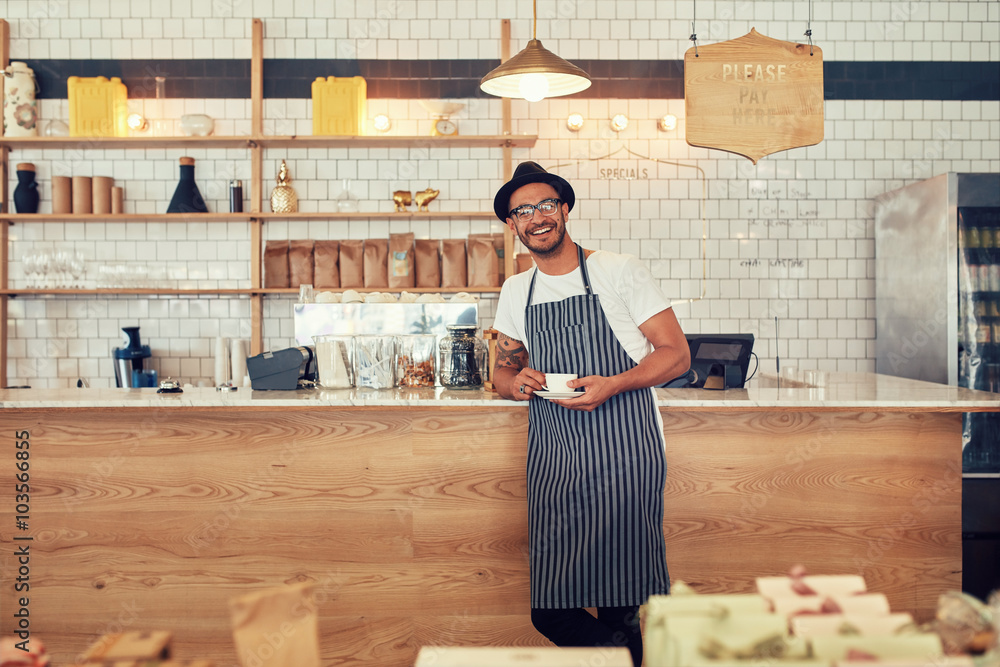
[126, 291]
[390, 290]
[153, 291]
[83, 143]
[127, 217]
[387, 141]
[246, 217]
[390, 215]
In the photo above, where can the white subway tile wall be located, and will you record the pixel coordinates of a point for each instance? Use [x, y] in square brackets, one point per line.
[734, 244]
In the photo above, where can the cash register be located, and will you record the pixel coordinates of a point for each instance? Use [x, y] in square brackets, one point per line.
[718, 361]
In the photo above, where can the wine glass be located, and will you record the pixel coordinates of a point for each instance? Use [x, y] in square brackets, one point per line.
[77, 268]
[30, 265]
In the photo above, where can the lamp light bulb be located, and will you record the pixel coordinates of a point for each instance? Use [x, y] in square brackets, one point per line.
[534, 87]
[136, 121]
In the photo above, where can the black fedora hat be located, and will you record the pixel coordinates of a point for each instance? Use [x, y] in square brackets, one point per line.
[531, 172]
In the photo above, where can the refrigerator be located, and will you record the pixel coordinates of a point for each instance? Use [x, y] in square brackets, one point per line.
[937, 303]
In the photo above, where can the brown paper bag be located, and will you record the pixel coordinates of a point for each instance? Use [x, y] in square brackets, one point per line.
[352, 259]
[300, 263]
[401, 269]
[276, 264]
[277, 627]
[454, 267]
[498, 246]
[484, 270]
[427, 257]
[376, 267]
[325, 272]
[523, 262]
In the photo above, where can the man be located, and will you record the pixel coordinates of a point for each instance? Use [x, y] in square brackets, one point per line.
[596, 465]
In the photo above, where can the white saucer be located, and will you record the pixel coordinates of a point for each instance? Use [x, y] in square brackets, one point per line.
[549, 395]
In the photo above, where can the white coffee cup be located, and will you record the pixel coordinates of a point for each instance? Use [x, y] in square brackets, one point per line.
[556, 382]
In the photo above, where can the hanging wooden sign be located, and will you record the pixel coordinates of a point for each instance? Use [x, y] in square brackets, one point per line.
[754, 96]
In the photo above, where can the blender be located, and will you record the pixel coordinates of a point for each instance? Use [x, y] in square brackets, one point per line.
[129, 371]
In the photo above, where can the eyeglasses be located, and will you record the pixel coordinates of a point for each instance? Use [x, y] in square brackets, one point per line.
[525, 212]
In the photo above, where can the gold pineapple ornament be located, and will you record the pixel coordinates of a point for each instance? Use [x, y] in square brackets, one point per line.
[283, 197]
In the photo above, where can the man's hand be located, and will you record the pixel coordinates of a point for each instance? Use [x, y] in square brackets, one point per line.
[596, 390]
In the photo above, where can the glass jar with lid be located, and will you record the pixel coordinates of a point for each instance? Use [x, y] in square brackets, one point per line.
[463, 358]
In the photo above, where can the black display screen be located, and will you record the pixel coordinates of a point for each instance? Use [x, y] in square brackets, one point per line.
[719, 351]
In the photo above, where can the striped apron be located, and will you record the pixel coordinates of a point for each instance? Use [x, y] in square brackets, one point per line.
[595, 479]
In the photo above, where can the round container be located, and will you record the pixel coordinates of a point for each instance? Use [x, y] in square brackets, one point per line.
[416, 354]
[462, 358]
[375, 361]
[333, 361]
[20, 108]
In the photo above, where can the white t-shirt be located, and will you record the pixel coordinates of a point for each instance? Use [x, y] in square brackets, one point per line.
[628, 292]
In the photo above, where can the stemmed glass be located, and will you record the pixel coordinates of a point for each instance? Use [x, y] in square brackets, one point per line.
[77, 268]
[30, 264]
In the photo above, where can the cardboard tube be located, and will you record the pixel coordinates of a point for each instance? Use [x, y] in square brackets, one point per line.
[102, 194]
[117, 200]
[62, 194]
[82, 192]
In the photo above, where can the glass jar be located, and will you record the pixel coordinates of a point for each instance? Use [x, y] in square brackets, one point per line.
[375, 361]
[415, 357]
[333, 361]
[463, 358]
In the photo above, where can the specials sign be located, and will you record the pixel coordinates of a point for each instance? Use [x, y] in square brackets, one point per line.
[754, 96]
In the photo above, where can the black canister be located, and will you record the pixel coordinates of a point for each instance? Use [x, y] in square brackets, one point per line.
[187, 198]
[26, 192]
[463, 358]
[235, 196]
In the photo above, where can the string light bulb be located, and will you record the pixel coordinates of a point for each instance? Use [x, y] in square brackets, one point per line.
[574, 122]
[619, 122]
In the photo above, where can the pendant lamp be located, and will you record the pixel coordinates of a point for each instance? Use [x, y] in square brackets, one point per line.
[535, 73]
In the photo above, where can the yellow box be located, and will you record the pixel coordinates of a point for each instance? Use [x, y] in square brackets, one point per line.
[339, 105]
[98, 107]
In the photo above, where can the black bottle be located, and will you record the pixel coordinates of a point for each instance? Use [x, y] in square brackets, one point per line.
[235, 196]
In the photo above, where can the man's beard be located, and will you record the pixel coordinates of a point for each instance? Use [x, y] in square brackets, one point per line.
[529, 241]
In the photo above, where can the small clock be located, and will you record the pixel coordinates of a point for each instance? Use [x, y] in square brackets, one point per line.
[444, 128]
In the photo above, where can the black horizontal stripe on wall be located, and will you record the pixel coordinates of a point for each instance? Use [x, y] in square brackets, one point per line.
[437, 79]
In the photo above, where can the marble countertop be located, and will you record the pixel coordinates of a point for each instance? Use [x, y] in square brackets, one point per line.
[808, 390]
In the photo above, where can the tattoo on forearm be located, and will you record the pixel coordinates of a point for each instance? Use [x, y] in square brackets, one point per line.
[510, 353]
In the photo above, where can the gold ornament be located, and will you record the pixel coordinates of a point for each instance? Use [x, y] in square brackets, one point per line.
[283, 197]
[425, 197]
[402, 199]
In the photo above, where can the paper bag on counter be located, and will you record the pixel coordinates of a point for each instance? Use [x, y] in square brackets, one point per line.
[276, 264]
[376, 266]
[325, 271]
[300, 263]
[401, 269]
[484, 268]
[352, 259]
[454, 270]
[277, 627]
[427, 258]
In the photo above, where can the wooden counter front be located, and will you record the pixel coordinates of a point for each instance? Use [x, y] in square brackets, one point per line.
[411, 520]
